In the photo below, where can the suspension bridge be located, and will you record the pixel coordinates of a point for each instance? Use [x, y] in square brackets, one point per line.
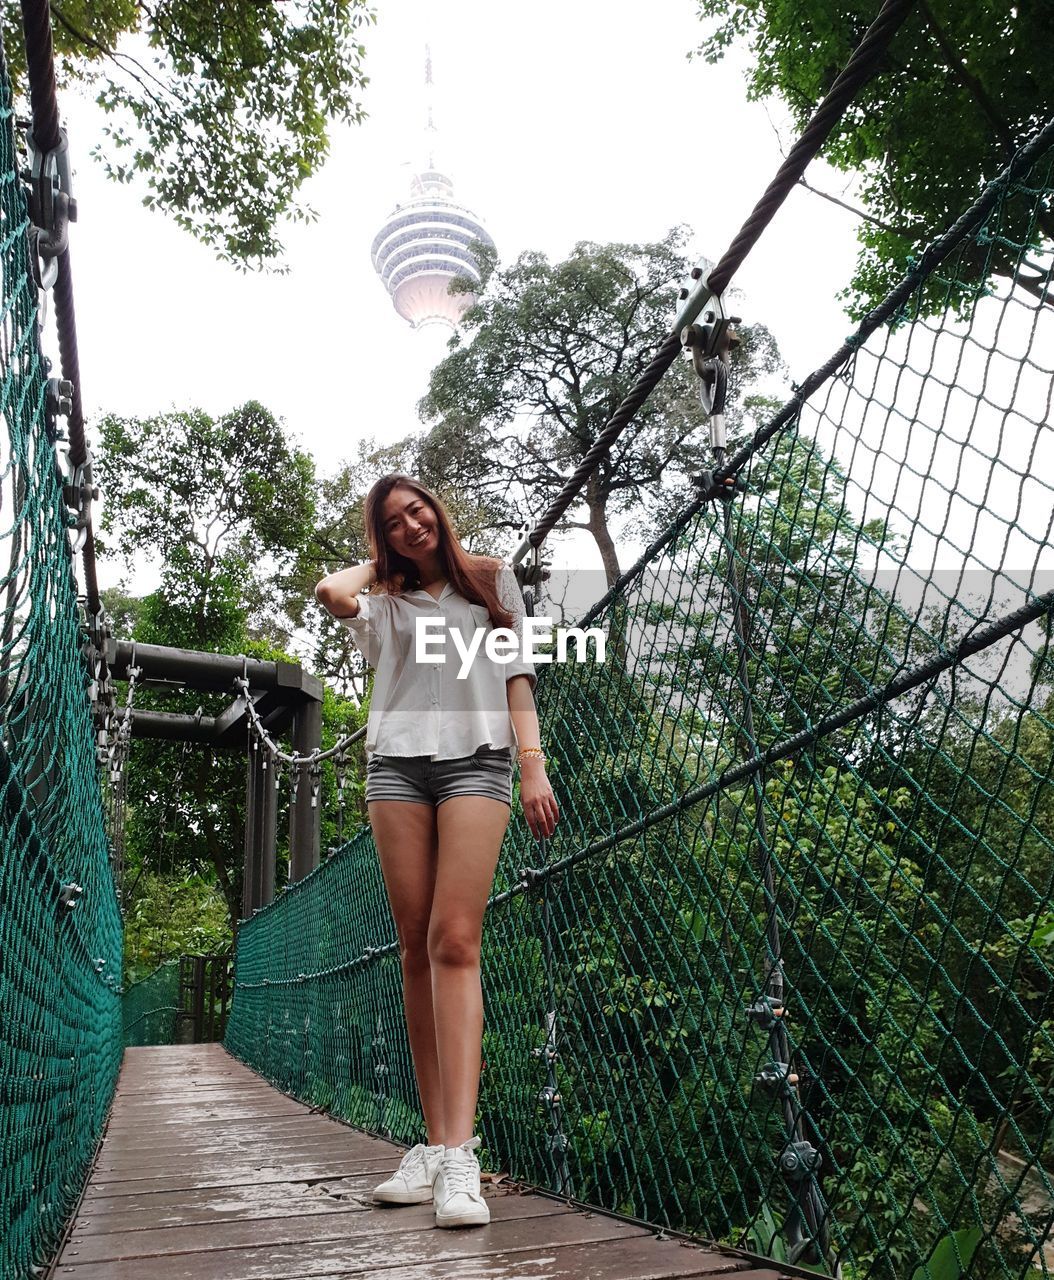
[777, 997]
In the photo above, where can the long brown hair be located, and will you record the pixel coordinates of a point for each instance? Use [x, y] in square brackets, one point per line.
[474, 577]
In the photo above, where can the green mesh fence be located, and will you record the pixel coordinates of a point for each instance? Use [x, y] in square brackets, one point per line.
[150, 1007]
[783, 977]
[60, 965]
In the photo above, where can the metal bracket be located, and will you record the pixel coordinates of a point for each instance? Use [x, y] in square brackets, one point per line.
[79, 493]
[58, 403]
[69, 894]
[766, 1012]
[725, 491]
[780, 1077]
[51, 205]
[710, 345]
[799, 1160]
[527, 563]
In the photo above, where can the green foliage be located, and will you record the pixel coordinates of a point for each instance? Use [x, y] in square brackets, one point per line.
[952, 1256]
[166, 917]
[981, 70]
[225, 505]
[222, 111]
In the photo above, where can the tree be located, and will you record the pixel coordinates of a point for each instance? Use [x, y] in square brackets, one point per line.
[225, 505]
[223, 109]
[549, 352]
[981, 69]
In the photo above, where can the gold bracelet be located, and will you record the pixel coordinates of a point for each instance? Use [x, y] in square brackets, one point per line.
[531, 753]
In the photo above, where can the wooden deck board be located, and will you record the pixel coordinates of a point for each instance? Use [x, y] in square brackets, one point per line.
[207, 1173]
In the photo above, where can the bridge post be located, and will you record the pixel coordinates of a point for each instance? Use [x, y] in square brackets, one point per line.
[261, 822]
[304, 818]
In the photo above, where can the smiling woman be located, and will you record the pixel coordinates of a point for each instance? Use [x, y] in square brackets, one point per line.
[439, 794]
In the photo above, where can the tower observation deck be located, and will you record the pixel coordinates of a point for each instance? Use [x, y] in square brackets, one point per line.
[426, 243]
[423, 246]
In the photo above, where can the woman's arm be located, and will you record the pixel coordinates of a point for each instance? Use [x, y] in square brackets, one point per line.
[536, 795]
[338, 593]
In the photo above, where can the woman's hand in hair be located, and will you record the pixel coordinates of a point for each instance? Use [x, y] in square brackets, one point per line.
[536, 795]
[338, 592]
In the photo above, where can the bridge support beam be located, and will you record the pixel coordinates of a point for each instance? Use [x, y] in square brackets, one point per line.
[284, 696]
[261, 824]
[304, 818]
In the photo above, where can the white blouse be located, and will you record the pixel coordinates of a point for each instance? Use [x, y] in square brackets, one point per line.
[423, 708]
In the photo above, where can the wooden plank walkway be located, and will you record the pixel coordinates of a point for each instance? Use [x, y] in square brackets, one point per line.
[208, 1173]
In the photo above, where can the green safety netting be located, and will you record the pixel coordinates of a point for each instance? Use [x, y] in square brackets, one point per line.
[783, 977]
[150, 1007]
[60, 926]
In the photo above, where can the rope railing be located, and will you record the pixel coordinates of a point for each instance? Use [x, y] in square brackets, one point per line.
[50, 141]
[60, 924]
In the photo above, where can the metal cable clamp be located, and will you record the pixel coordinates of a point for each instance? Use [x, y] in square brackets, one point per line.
[710, 345]
[49, 191]
[79, 493]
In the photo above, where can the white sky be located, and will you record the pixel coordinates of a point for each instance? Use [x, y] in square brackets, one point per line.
[557, 122]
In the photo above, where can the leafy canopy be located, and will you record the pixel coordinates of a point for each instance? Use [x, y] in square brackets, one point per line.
[205, 495]
[225, 507]
[222, 109]
[965, 83]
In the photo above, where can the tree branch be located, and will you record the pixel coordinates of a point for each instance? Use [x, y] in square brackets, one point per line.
[118, 59]
[867, 217]
[1036, 287]
[969, 82]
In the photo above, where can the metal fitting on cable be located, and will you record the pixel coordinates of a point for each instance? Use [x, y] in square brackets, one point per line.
[79, 493]
[799, 1160]
[51, 205]
[69, 895]
[710, 345]
[315, 776]
[708, 487]
[529, 568]
[766, 1012]
[778, 1077]
[58, 403]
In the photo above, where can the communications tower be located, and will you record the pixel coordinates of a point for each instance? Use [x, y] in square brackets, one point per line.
[424, 244]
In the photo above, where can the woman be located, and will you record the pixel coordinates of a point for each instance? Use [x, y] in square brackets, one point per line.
[439, 746]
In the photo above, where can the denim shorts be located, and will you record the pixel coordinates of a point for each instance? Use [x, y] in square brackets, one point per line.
[422, 780]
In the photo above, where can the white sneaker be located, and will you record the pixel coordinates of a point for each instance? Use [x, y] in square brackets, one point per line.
[412, 1182]
[457, 1198]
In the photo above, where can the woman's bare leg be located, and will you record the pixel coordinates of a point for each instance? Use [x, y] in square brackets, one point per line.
[406, 838]
[470, 829]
